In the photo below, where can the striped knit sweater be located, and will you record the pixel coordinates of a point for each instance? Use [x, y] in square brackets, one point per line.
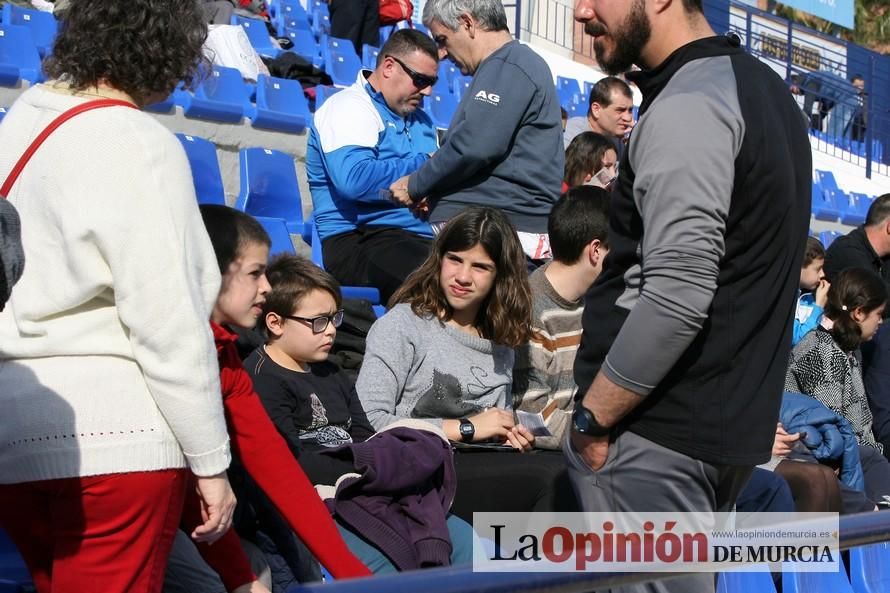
[542, 376]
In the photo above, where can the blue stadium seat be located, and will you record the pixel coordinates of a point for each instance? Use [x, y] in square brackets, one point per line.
[280, 105]
[41, 25]
[577, 109]
[420, 27]
[566, 89]
[461, 85]
[278, 233]
[258, 36]
[323, 93]
[14, 575]
[2, 113]
[442, 86]
[292, 17]
[823, 206]
[588, 86]
[321, 20]
[19, 59]
[870, 568]
[342, 66]
[305, 45]
[205, 169]
[826, 179]
[350, 292]
[269, 187]
[828, 237]
[441, 109]
[222, 96]
[746, 582]
[861, 203]
[816, 582]
[847, 206]
[369, 56]
[448, 71]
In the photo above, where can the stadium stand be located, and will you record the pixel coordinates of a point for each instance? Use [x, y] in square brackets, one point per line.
[19, 58]
[280, 105]
[269, 187]
[205, 169]
[222, 96]
[41, 25]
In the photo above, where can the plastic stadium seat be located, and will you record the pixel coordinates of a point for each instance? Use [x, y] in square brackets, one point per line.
[305, 45]
[19, 59]
[41, 25]
[269, 187]
[826, 179]
[588, 86]
[280, 105]
[461, 85]
[369, 56]
[258, 36]
[566, 89]
[448, 71]
[823, 206]
[577, 109]
[321, 20]
[205, 169]
[847, 206]
[828, 237]
[861, 203]
[350, 292]
[870, 568]
[877, 151]
[14, 575]
[817, 582]
[323, 93]
[746, 582]
[342, 66]
[277, 229]
[442, 107]
[2, 113]
[223, 96]
[337, 44]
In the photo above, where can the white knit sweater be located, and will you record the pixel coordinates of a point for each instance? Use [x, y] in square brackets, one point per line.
[108, 363]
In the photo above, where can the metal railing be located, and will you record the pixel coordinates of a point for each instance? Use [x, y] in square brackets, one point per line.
[855, 531]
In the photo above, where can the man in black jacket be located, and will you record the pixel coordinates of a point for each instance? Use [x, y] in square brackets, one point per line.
[688, 329]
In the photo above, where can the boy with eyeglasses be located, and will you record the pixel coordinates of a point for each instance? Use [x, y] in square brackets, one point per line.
[312, 403]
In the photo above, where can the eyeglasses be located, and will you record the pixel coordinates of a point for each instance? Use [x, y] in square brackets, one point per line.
[421, 81]
[320, 323]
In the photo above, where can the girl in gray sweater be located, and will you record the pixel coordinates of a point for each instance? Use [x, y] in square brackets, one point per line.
[444, 353]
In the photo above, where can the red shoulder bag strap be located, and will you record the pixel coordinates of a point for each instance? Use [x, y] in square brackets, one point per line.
[89, 106]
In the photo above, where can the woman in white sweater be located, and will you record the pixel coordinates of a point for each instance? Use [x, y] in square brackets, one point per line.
[109, 382]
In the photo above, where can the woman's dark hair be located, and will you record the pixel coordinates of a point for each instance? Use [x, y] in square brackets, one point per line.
[851, 289]
[292, 278]
[230, 232]
[140, 47]
[506, 314]
[585, 156]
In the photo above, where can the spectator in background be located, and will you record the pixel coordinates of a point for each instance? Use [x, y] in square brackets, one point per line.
[611, 113]
[542, 375]
[858, 123]
[591, 159]
[706, 234]
[868, 246]
[356, 20]
[502, 148]
[105, 404]
[361, 140]
[814, 289]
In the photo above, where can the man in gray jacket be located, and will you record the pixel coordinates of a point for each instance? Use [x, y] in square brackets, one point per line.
[504, 146]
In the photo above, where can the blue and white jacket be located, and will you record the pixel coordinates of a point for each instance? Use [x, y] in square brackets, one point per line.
[806, 318]
[358, 146]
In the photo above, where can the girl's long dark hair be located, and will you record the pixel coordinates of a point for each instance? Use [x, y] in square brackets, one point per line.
[505, 315]
[852, 289]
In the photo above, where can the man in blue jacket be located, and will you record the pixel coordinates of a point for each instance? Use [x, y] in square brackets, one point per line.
[362, 139]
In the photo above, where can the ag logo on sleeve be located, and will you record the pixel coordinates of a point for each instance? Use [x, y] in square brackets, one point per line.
[490, 98]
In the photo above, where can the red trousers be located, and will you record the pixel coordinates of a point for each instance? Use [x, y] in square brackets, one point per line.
[108, 533]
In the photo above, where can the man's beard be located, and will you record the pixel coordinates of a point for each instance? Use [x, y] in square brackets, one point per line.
[628, 41]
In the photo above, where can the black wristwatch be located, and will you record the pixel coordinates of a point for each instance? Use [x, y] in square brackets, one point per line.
[585, 422]
[467, 430]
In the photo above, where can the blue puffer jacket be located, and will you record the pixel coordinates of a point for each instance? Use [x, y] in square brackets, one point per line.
[829, 436]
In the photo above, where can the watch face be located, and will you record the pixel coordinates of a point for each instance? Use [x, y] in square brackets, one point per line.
[466, 429]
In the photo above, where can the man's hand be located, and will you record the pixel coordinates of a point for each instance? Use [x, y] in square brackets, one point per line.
[399, 189]
[593, 450]
[217, 507]
[520, 437]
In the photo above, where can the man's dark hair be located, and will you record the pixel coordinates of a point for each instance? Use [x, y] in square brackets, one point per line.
[404, 42]
[580, 216]
[141, 47]
[814, 250]
[601, 92]
[856, 77]
[879, 211]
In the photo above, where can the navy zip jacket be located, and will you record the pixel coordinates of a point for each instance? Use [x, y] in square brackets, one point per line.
[694, 308]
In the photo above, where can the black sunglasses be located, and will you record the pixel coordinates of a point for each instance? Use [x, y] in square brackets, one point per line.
[320, 323]
[421, 81]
